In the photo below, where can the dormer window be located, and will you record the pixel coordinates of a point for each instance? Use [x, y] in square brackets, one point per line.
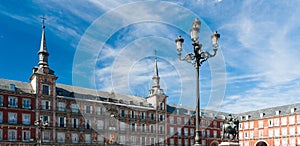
[262, 115]
[12, 87]
[278, 113]
[293, 110]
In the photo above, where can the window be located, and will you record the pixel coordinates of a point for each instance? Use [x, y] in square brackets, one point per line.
[74, 108]
[246, 125]
[62, 122]
[179, 131]
[26, 119]
[172, 141]
[143, 128]
[100, 124]
[179, 120]
[133, 127]
[74, 122]
[12, 102]
[74, 137]
[215, 134]
[26, 103]
[25, 135]
[99, 110]
[171, 120]
[246, 135]
[1, 133]
[292, 130]
[277, 142]
[251, 125]
[143, 140]
[251, 134]
[215, 124]
[122, 139]
[283, 121]
[46, 118]
[298, 119]
[151, 129]
[61, 106]
[45, 90]
[179, 142]
[208, 133]
[277, 132]
[143, 115]
[46, 136]
[271, 133]
[1, 117]
[1, 100]
[203, 132]
[46, 105]
[100, 139]
[284, 131]
[132, 114]
[61, 137]
[87, 124]
[161, 129]
[12, 135]
[12, 118]
[186, 132]
[186, 142]
[162, 106]
[270, 122]
[161, 117]
[88, 109]
[203, 142]
[186, 120]
[276, 122]
[292, 120]
[284, 141]
[240, 126]
[292, 141]
[133, 139]
[152, 141]
[260, 124]
[87, 138]
[122, 113]
[192, 132]
[261, 133]
[171, 131]
[152, 116]
[122, 126]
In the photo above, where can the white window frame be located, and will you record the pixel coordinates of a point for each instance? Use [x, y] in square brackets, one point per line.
[46, 105]
[1, 100]
[26, 103]
[61, 137]
[26, 119]
[12, 102]
[25, 135]
[74, 137]
[64, 119]
[12, 118]
[100, 124]
[61, 106]
[12, 135]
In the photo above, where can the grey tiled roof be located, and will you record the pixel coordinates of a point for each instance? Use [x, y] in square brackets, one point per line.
[270, 112]
[24, 87]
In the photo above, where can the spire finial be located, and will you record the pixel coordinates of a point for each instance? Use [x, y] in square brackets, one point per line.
[43, 21]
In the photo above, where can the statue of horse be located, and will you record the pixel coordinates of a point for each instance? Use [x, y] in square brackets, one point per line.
[231, 127]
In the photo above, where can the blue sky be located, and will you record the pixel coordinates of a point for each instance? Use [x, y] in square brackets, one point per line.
[109, 45]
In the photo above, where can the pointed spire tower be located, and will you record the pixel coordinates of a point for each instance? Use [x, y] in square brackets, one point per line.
[156, 95]
[43, 52]
[42, 75]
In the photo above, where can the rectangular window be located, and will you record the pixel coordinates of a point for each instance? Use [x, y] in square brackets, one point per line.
[172, 141]
[143, 115]
[133, 139]
[246, 135]
[179, 131]
[46, 136]
[100, 139]
[284, 131]
[62, 122]
[61, 137]
[26, 119]
[1, 100]
[277, 142]
[74, 122]
[143, 128]
[260, 124]
[12, 102]
[46, 105]
[283, 121]
[88, 124]
[75, 108]
[208, 133]
[261, 133]
[99, 110]
[122, 139]
[277, 132]
[45, 90]
[87, 138]
[251, 125]
[276, 122]
[1, 133]
[192, 132]
[12, 135]
[12, 118]
[133, 127]
[246, 125]
[251, 134]
[152, 116]
[298, 119]
[88, 109]
[25, 135]
[179, 120]
[61, 106]
[215, 134]
[26, 103]
[203, 133]
[292, 130]
[100, 124]
[186, 132]
[171, 131]
[186, 120]
[132, 114]
[74, 137]
[122, 113]
[152, 141]
[152, 130]
[271, 133]
[122, 126]
[161, 117]
[1, 117]
[161, 129]
[270, 122]
[171, 120]
[291, 120]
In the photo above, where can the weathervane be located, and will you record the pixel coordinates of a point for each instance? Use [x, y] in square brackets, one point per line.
[43, 20]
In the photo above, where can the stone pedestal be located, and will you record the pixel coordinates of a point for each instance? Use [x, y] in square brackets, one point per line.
[229, 144]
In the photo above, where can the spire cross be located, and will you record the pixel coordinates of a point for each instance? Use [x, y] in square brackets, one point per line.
[43, 20]
[155, 57]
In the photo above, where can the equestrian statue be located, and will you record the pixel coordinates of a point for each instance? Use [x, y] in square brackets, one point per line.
[231, 127]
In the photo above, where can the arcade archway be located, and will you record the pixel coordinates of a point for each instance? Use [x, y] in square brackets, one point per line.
[261, 143]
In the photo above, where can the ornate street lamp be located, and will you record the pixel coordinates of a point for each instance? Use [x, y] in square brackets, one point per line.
[197, 58]
[40, 124]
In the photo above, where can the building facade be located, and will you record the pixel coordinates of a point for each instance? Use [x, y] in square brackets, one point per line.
[81, 116]
[277, 126]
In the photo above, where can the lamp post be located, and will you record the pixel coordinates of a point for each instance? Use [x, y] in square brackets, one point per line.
[197, 58]
[40, 124]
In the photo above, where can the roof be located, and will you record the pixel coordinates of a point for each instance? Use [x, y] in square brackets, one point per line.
[270, 112]
[24, 87]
